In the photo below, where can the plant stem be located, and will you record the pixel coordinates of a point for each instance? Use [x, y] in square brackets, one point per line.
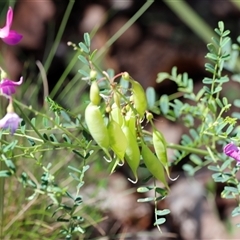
[2, 183]
[191, 19]
[64, 75]
[180, 147]
[128, 24]
[59, 35]
[187, 149]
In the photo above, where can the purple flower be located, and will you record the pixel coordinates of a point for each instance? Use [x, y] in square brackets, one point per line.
[8, 87]
[232, 151]
[9, 36]
[10, 121]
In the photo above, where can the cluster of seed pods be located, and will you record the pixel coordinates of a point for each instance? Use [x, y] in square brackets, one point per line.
[121, 137]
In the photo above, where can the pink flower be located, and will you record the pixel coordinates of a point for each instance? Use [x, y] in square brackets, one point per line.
[8, 87]
[9, 36]
[10, 121]
[232, 151]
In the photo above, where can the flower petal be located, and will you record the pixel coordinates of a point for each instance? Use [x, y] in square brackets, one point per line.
[4, 32]
[9, 17]
[230, 148]
[232, 151]
[12, 38]
[10, 121]
[8, 87]
[6, 82]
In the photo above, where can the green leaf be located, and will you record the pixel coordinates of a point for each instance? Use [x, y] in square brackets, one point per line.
[236, 212]
[162, 76]
[219, 103]
[65, 116]
[66, 138]
[93, 54]
[196, 159]
[75, 169]
[111, 72]
[23, 126]
[229, 129]
[45, 122]
[231, 189]
[221, 26]
[84, 47]
[209, 67]
[161, 191]
[45, 136]
[60, 219]
[225, 101]
[188, 120]
[225, 41]
[227, 32]
[225, 165]
[87, 39]
[174, 72]
[10, 146]
[236, 77]
[144, 189]
[228, 195]
[83, 59]
[164, 103]
[33, 121]
[52, 138]
[211, 48]
[216, 40]
[214, 168]
[163, 212]
[212, 56]
[57, 120]
[83, 72]
[5, 173]
[10, 165]
[236, 103]
[124, 85]
[218, 32]
[148, 199]
[177, 108]
[194, 134]
[220, 177]
[85, 168]
[160, 221]
[189, 169]
[207, 80]
[78, 154]
[151, 96]
[186, 139]
[226, 57]
[236, 115]
[31, 142]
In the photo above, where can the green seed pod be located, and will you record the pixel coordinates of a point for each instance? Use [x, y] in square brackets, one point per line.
[130, 121]
[117, 99]
[95, 93]
[96, 126]
[126, 76]
[159, 144]
[93, 74]
[132, 155]
[139, 98]
[116, 114]
[149, 116]
[118, 141]
[108, 109]
[154, 166]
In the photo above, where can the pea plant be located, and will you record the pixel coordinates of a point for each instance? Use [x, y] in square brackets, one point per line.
[113, 127]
